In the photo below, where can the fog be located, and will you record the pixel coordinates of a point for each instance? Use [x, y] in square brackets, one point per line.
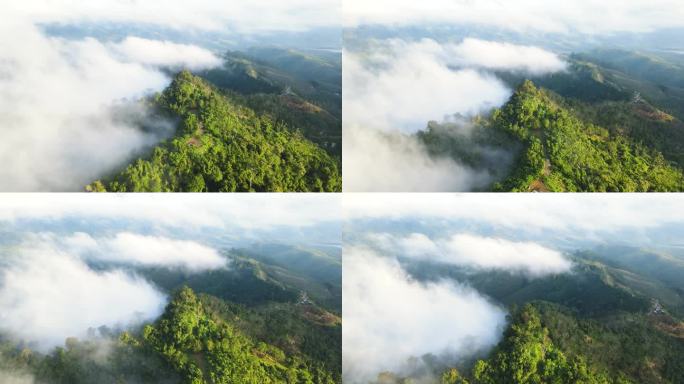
[477, 252]
[165, 54]
[72, 263]
[16, 378]
[403, 85]
[392, 88]
[241, 213]
[48, 295]
[390, 318]
[385, 161]
[68, 108]
[532, 213]
[505, 57]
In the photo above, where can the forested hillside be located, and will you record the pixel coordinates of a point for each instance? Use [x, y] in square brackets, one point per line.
[222, 146]
[599, 324]
[251, 323]
[611, 122]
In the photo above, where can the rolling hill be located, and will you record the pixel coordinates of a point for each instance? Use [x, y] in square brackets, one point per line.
[611, 122]
[610, 320]
[254, 322]
[222, 146]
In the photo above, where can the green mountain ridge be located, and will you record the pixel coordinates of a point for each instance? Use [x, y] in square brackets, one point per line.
[603, 322]
[221, 146]
[254, 322]
[301, 90]
[611, 122]
[556, 150]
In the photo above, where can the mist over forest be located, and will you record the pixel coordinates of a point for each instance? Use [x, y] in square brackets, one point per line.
[447, 289]
[246, 289]
[568, 100]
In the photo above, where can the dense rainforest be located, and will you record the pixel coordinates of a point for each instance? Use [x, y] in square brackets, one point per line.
[591, 128]
[616, 319]
[246, 126]
[256, 322]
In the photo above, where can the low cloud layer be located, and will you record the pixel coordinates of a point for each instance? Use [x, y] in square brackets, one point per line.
[165, 54]
[147, 251]
[389, 318]
[479, 253]
[227, 211]
[48, 295]
[380, 161]
[68, 108]
[503, 56]
[591, 17]
[394, 87]
[403, 85]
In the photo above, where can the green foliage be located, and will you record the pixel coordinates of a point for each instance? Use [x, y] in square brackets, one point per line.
[106, 361]
[451, 376]
[222, 147]
[474, 143]
[528, 356]
[274, 337]
[601, 313]
[565, 154]
[206, 351]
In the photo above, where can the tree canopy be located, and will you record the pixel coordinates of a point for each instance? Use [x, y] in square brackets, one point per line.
[221, 146]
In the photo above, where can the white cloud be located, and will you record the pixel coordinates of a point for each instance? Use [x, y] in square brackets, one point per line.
[389, 317]
[248, 211]
[585, 16]
[403, 85]
[505, 56]
[399, 86]
[480, 253]
[63, 120]
[378, 161]
[165, 53]
[141, 250]
[48, 295]
[255, 16]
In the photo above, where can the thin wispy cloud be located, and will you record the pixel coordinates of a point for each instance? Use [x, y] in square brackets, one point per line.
[590, 17]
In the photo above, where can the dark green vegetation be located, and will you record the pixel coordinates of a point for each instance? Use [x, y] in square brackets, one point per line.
[248, 126]
[303, 90]
[248, 324]
[612, 122]
[617, 318]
